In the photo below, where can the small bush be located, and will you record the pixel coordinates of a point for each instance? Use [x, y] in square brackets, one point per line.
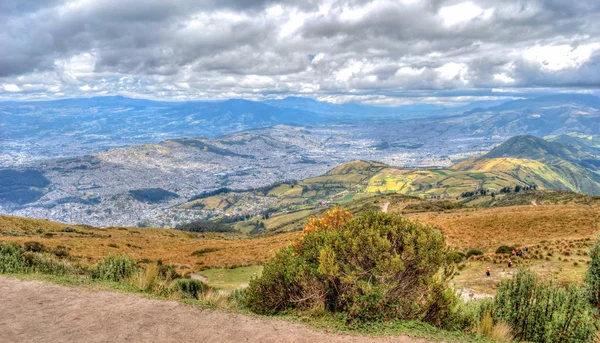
[114, 268]
[505, 249]
[474, 252]
[167, 271]
[455, 256]
[34, 247]
[204, 251]
[61, 251]
[112, 245]
[190, 288]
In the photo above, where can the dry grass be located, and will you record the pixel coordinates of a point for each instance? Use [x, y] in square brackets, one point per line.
[496, 331]
[547, 259]
[487, 229]
[172, 246]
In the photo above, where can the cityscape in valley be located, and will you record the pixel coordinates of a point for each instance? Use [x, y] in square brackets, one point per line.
[105, 188]
[299, 171]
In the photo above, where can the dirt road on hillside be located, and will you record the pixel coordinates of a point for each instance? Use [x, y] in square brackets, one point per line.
[34, 311]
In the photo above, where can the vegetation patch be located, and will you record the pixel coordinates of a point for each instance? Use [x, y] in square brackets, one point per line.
[205, 226]
[152, 195]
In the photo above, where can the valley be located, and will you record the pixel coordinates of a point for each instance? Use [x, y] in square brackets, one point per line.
[95, 189]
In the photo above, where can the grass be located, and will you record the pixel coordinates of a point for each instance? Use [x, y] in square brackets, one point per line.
[489, 228]
[89, 245]
[338, 324]
[472, 280]
[230, 279]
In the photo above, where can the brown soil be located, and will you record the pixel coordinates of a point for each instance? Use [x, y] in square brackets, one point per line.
[35, 311]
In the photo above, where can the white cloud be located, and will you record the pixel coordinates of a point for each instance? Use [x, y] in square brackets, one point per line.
[558, 57]
[502, 77]
[453, 70]
[462, 13]
[11, 87]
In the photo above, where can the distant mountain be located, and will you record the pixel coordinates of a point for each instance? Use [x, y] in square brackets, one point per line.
[586, 143]
[73, 127]
[549, 164]
[542, 116]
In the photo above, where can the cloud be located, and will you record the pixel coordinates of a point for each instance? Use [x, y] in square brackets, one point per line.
[351, 50]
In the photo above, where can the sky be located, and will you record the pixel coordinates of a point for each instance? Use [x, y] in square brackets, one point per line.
[373, 52]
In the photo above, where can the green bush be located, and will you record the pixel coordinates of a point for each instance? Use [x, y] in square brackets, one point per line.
[114, 268]
[11, 258]
[592, 277]
[455, 256]
[542, 311]
[14, 259]
[474, 252]
[505, 249]
[377, 266]
[190, 288]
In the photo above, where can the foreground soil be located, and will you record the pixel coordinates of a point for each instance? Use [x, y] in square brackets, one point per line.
[35, 311]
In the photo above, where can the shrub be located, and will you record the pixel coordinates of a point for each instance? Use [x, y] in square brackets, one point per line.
[474, 252]
[190, 288]
[166, 271]
[11, 259]
[61, 251]
[455, 256]
[203, 251]
[14, 259]
[505, 249]
[542, 311]
[34, 247]
[592, 277]
[205, 226]
[114, 268]
[377, 266]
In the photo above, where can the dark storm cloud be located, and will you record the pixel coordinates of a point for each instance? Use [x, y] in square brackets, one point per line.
[328, 49]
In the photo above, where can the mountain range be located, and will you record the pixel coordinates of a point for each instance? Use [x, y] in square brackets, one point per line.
[71, 127]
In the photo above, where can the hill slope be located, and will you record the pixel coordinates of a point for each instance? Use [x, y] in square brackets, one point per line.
[548, 164]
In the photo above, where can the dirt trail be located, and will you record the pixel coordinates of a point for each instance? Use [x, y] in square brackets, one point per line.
[384, 207]
[35, 311]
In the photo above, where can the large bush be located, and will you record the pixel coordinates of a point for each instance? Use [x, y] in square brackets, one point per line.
[377, 266]
[542, 311]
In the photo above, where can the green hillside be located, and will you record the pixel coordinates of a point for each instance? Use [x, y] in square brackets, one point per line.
[568, 166]
[521, 162]
[586, 143]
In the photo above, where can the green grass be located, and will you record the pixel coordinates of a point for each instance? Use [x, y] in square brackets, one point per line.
[338, 324]
[230, 279]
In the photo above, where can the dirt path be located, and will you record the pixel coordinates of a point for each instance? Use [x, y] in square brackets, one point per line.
[35, 311]
[384, 207]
